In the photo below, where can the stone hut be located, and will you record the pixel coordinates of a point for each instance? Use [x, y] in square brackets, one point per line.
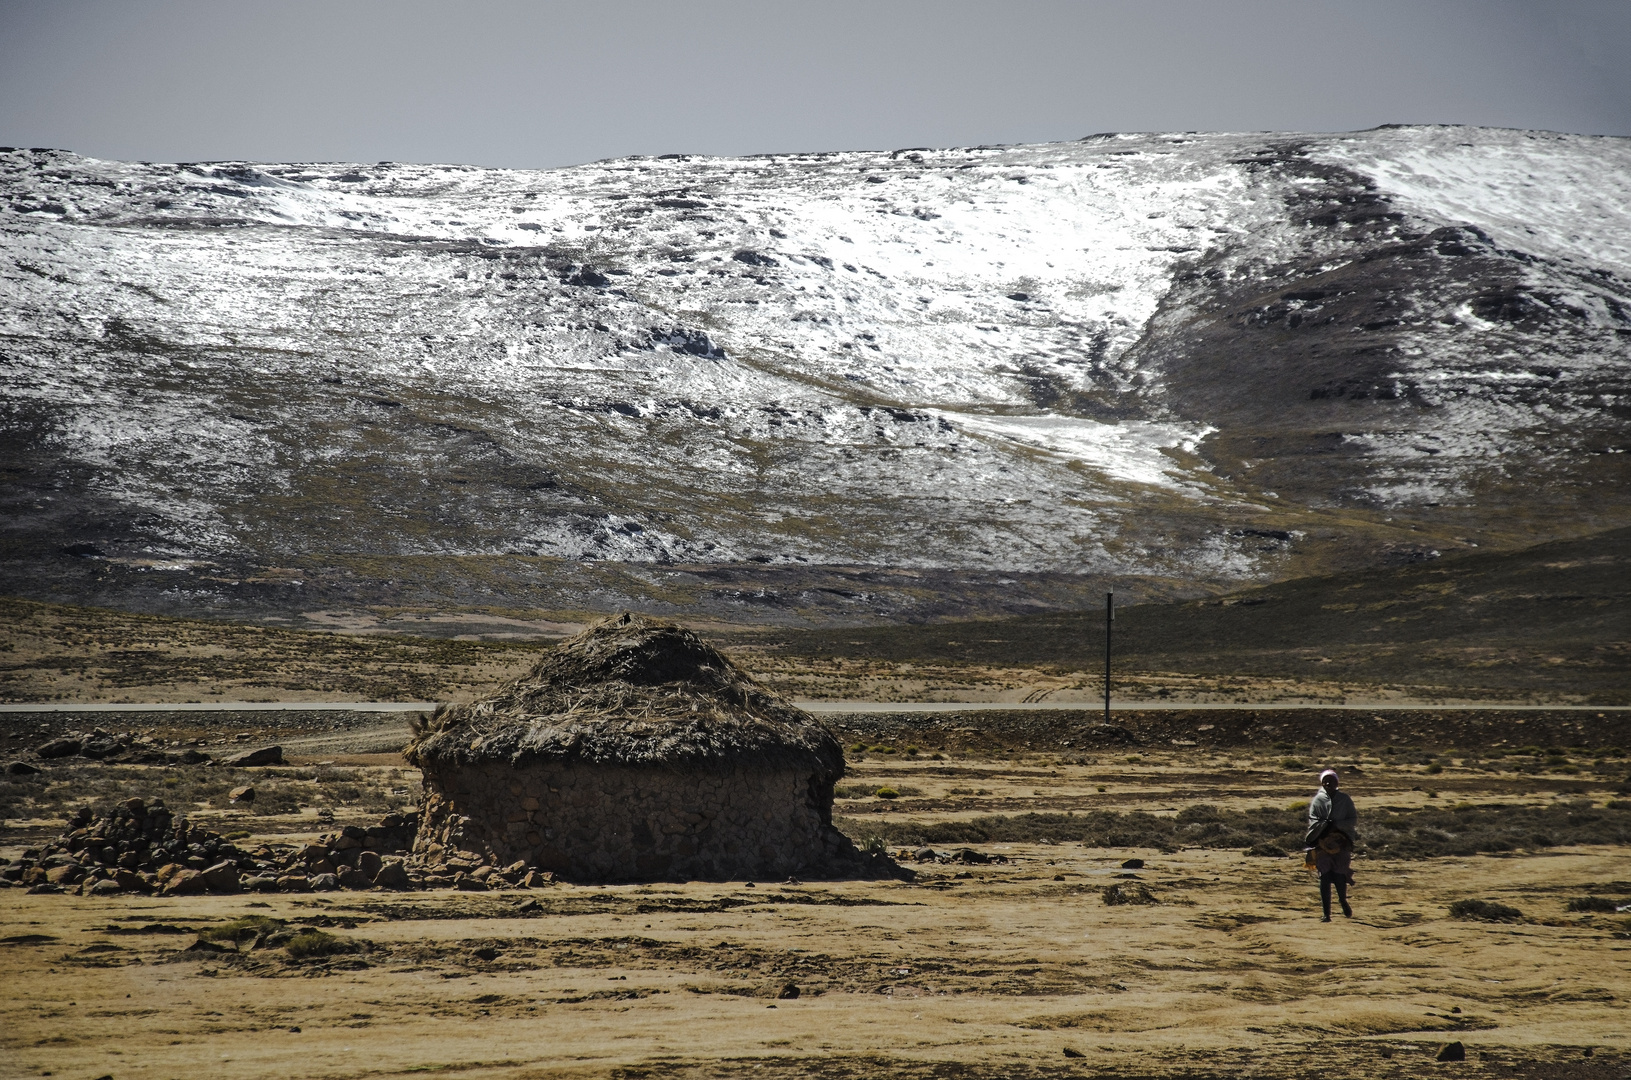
[634, 752]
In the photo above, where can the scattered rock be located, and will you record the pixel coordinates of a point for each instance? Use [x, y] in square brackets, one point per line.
[1452, 1052]
[245, 794]
[788, 992]
[1133, 864]
[1073, 1053]
[487, 954]
[267, 755]
[20, 768]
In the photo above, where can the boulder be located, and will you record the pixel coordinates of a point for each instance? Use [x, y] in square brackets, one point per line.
[369, 863]
[1452, 1052]
[100, 745]
[293, 883]
[185, 883]
[324, 883]
[266, 755]
[261, 883]
[393, 874]
[350, 878]
[68, 874]
[20, 768]
[67, 746]
[221, 878]
[244, 794]
[104, 888]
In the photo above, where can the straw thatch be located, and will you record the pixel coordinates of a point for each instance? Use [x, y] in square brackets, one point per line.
[631, 691]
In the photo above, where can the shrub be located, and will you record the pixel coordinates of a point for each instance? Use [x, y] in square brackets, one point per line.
[1127, 892]
[1434, 769]
[1592, 903]
[1484, 910]
[314, 943]
[251, 929]
[1291, 763]
[888, 793]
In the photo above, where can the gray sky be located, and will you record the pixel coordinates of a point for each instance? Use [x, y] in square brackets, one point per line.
[538, 84]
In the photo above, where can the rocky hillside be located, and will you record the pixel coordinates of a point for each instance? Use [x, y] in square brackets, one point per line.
[807, 388]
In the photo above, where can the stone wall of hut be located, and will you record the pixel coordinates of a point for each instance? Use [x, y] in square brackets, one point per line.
[608, 823]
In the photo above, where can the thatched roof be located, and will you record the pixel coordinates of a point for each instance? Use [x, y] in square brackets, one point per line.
[630, 691]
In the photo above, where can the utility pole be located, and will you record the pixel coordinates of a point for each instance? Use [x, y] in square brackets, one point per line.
[1109, 622]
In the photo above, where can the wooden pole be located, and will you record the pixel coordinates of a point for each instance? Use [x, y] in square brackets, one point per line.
[1109, 621]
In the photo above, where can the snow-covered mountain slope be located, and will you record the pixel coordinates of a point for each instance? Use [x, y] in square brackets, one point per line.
[1189, 359]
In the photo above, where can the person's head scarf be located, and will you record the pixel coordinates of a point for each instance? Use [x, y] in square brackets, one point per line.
[1332, 773]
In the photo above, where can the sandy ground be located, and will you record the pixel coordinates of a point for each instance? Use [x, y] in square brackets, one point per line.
[1005, 969]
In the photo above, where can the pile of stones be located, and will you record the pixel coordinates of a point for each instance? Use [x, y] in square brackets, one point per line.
[131, 748]
[141, 847]
[473, 872]
[119, 747]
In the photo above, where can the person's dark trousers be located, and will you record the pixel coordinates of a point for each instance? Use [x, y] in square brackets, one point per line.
[1342, 893]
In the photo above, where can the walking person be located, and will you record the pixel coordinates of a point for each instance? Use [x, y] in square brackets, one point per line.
[1332, 828]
